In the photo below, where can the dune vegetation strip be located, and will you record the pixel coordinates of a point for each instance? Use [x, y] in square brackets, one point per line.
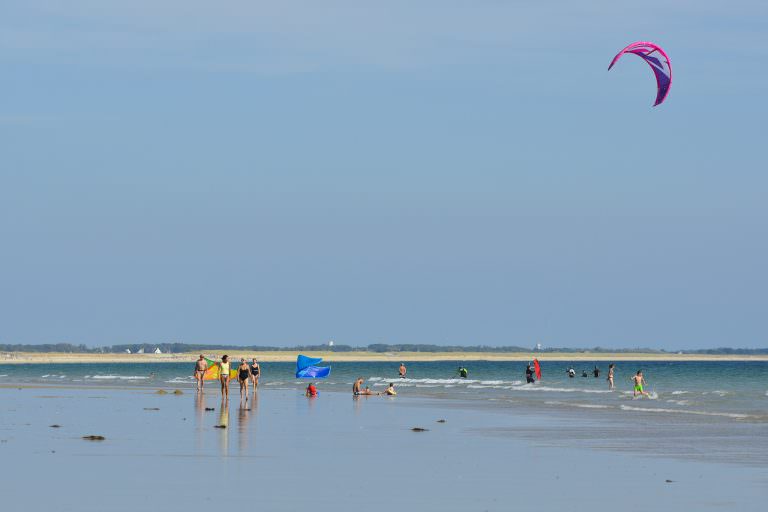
[362, 356]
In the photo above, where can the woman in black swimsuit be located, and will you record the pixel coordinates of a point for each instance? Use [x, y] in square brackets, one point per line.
[243, 376]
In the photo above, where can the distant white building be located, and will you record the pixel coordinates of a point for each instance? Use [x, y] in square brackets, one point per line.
[330, 343]
[127, 351]
[158, 351]
[140, 351]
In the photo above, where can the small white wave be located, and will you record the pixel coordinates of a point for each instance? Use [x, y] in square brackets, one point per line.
[181, 380]
[581, 406]
[5, 375]
[680, 392]
[424, 381]
[678, 402]
[684, 411]
[535, 387]
[118, 377]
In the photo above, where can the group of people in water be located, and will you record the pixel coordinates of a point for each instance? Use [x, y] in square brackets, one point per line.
[638, 380]
[246, 374]
[249, 374]
[359, 390]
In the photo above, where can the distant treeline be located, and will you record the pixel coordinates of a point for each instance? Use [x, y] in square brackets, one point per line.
[51, 347]
[375, 347]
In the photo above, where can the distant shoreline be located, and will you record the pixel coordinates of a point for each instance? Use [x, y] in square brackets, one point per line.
[395, 357]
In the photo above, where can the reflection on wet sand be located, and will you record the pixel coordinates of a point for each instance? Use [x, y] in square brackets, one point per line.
[224, 427]
[199, 420]
[246, 410]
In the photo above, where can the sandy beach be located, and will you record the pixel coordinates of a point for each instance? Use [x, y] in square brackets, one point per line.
[47, 358]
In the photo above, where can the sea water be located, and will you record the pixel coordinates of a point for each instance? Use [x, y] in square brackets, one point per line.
[731, 390]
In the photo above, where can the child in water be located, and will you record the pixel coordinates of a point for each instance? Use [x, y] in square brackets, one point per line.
[391, 390]
[639, 382]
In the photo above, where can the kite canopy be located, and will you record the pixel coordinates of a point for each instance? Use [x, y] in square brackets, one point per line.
[659, 62]
[537, 368]
[306, 368]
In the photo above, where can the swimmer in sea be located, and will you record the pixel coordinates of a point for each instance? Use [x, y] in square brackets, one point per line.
[611, 385]
[200, 367]
[463, 372]
[390, 391]
[529, 374]
[639, 382]
[243, 376]
[403, 369]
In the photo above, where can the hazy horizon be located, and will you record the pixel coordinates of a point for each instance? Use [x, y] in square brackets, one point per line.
[459, 173]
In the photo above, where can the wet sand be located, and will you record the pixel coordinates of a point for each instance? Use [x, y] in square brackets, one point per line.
[285, 452]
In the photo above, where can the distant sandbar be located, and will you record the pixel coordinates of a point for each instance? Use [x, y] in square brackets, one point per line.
[285, 356]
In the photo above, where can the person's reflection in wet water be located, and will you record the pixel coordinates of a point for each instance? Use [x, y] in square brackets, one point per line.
[224, 427]
[243, 416]
[199, 420]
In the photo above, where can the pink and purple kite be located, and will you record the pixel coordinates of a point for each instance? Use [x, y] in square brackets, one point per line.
[659, 62]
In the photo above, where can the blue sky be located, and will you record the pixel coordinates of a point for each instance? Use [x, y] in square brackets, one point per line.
[460, 172]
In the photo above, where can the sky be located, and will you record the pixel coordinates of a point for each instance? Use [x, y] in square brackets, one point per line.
[447, 172]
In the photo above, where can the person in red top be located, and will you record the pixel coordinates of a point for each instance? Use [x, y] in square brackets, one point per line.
[311, 390]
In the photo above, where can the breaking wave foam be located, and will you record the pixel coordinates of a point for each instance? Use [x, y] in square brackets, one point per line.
[116, 377]
[683, 411]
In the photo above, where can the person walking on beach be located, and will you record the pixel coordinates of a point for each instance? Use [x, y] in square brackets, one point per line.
[611, 385]
[224, 376]
[639, 382]
[255, 373]
[403, 369]
[243, 376]
[200, 367]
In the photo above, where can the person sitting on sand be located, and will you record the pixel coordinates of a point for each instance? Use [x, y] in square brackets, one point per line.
[403, 370]
[639, 382]
[255, 373]
[357, 387]
[390, 391]
[200, 367]
[311, 391]
[243, 376]
[224, 376]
